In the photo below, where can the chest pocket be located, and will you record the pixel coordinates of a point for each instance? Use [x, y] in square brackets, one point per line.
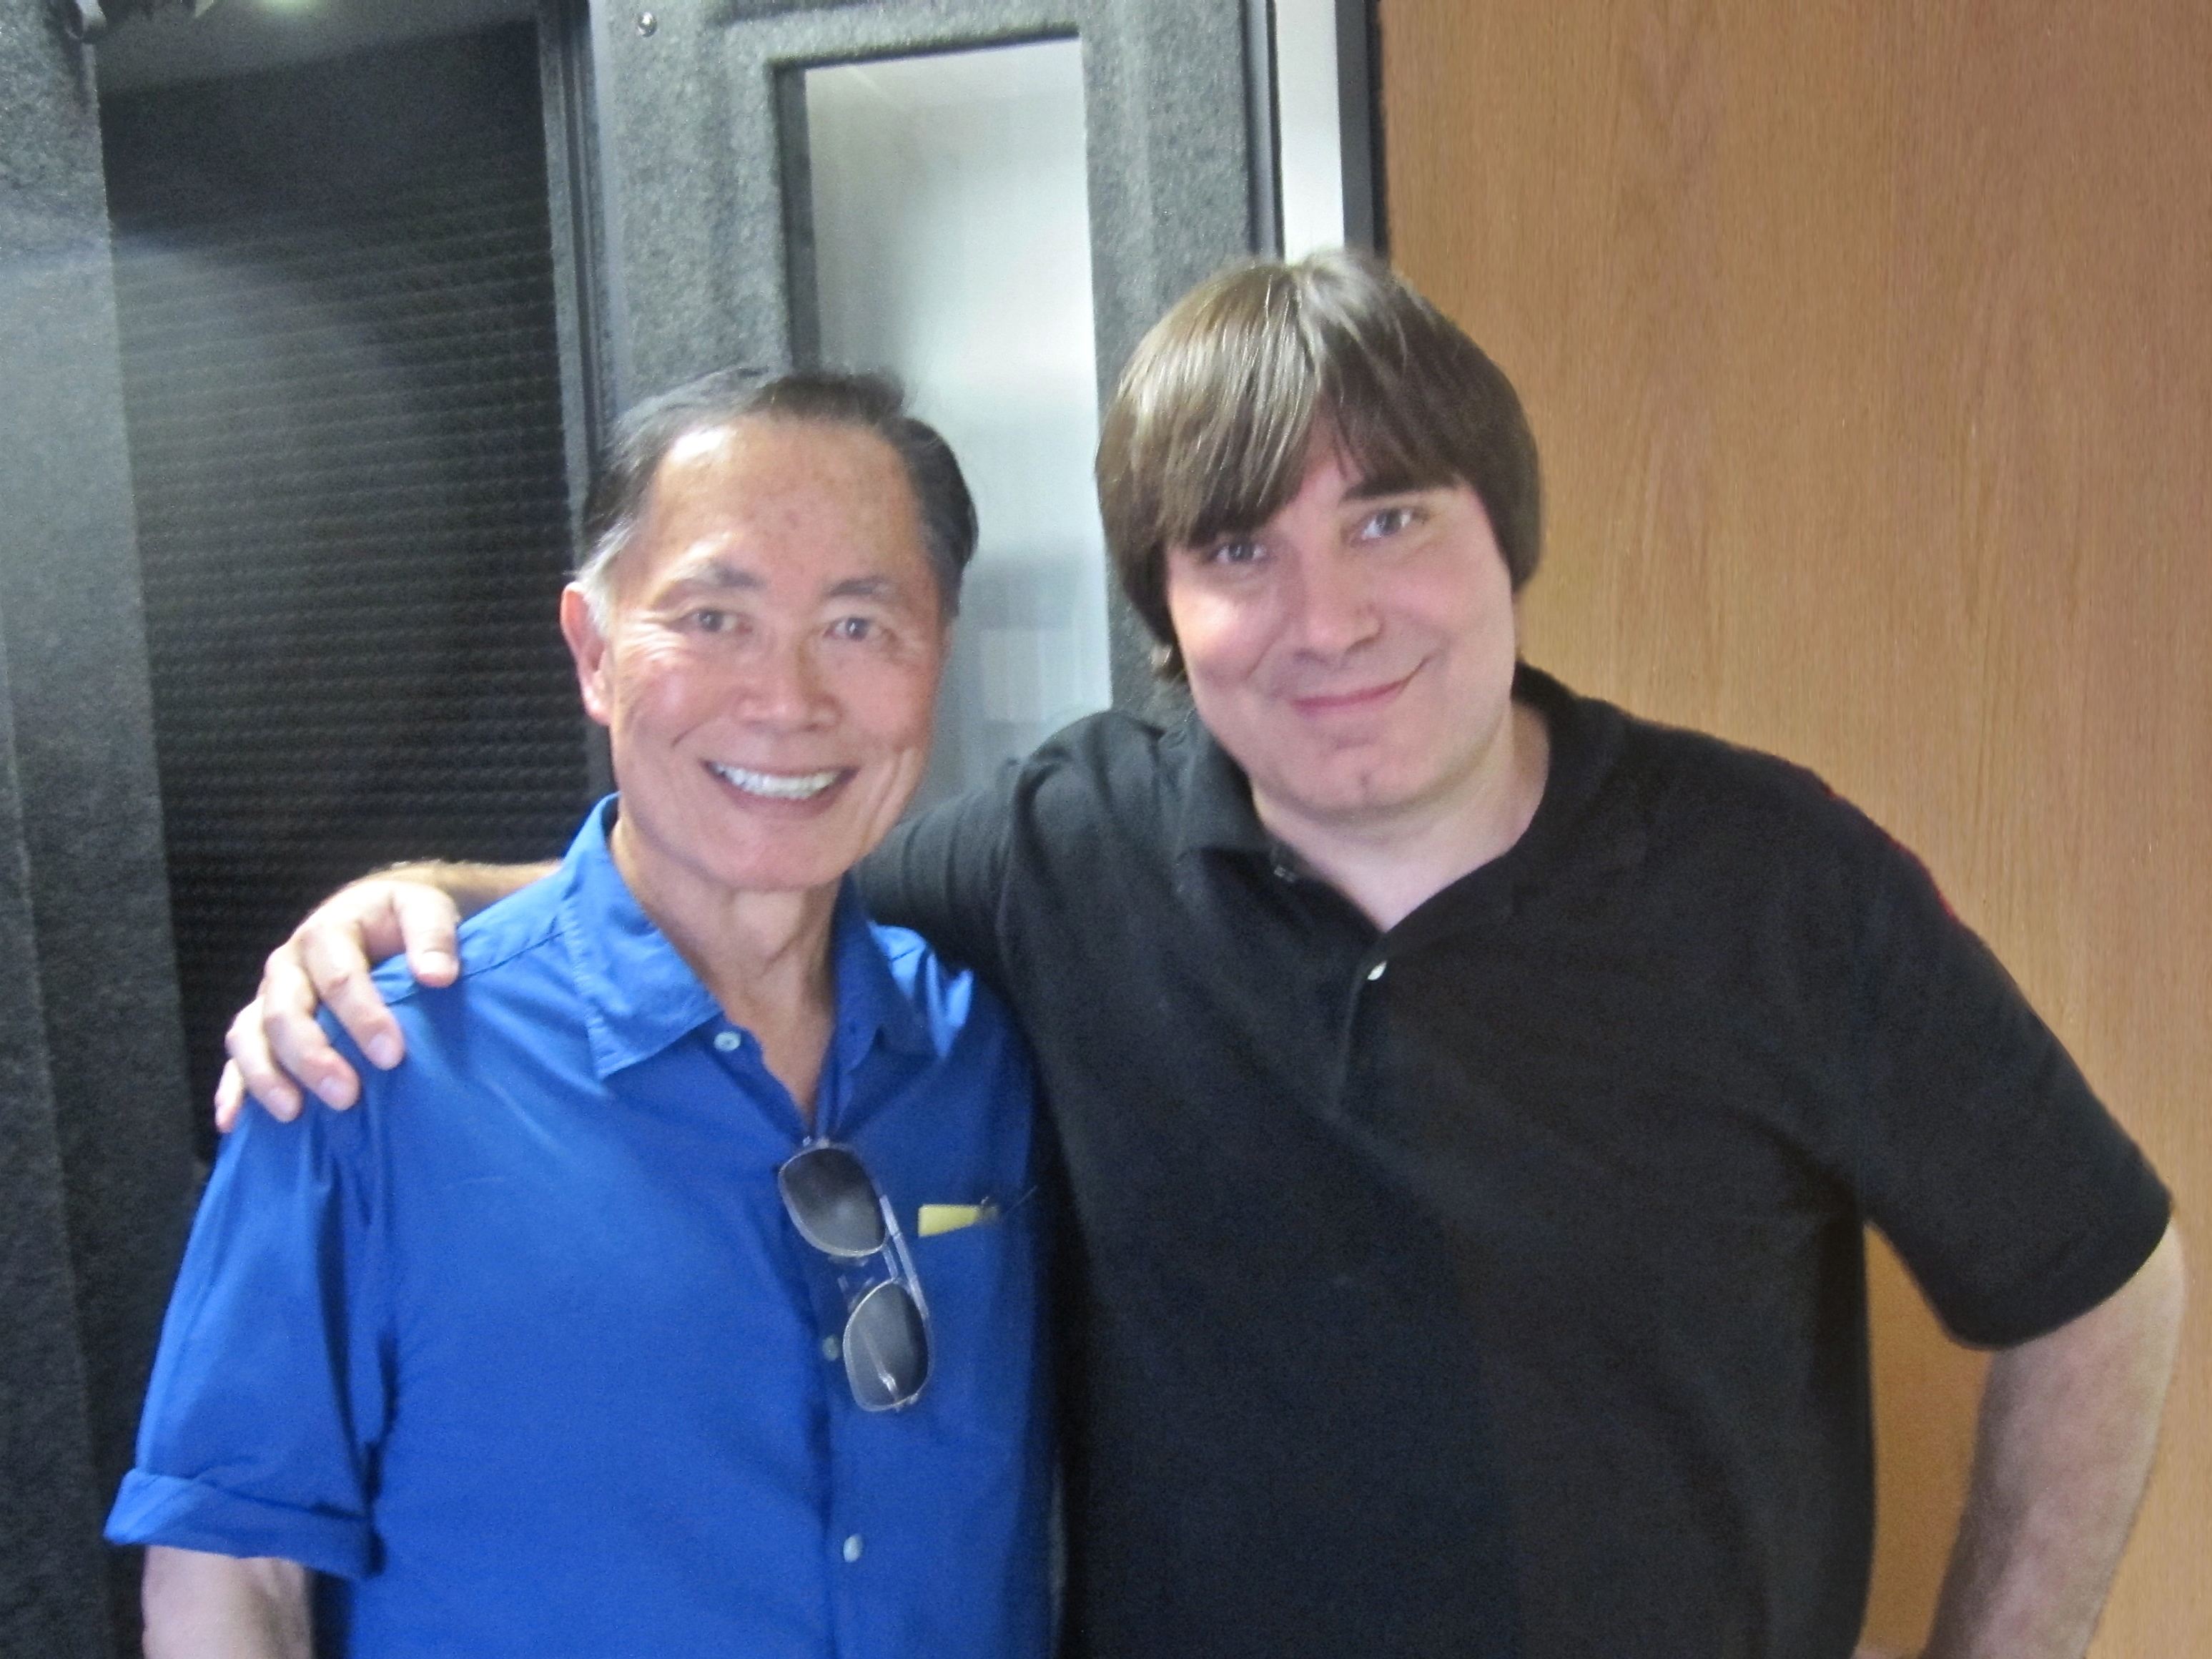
[981, 1278]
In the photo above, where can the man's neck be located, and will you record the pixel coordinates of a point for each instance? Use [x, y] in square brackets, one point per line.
[1390, 867]
[763, 957]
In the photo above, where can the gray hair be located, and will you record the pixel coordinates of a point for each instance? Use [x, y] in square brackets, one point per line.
[872, 402]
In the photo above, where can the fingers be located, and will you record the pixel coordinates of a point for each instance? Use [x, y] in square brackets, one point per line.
[278, 1038]
[428, 926]
[324, 963]
[229, 1098]
[276, 1046]
[253, 1070]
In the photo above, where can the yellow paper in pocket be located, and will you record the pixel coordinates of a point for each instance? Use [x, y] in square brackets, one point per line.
[951, 1217]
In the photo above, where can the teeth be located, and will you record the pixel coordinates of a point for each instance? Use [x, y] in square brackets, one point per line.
[777, 786]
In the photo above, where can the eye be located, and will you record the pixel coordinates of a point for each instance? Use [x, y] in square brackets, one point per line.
[1234, 554]
[708, 620]
[1385, 522]
[854, 628]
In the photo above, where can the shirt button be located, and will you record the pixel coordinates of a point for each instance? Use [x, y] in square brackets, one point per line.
[728, 1042]
[831, 1350]
[1375, 972]
[853, 1547]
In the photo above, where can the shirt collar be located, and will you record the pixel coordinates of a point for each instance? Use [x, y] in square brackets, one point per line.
[1217, 797]
[870, 1002]
[639, 996]
[1585, 737]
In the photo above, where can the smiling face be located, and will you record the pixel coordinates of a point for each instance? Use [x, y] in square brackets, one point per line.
[1354, 654]
[767, 668]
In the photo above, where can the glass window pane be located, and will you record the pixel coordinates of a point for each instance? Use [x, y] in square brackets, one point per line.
[1308, 130]
[952, 247]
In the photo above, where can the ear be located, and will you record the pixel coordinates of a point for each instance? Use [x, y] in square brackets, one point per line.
[589, 647]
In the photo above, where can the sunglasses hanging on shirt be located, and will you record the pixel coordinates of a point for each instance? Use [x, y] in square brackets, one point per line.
[839, 1210]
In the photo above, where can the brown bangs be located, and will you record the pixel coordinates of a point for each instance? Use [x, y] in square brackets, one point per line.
[1213, 417]
[1209, 432]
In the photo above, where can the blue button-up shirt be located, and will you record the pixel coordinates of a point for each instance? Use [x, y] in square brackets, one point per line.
[526, 1351]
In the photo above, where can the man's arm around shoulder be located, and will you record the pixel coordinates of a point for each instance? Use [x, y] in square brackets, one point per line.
[276, 1045]
[2068, 1425]
[200, 1606]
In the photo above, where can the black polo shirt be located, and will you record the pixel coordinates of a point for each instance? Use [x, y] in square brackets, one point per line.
[1494, 1285]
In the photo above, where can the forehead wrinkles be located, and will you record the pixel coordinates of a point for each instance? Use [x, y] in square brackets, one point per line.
[782, 479]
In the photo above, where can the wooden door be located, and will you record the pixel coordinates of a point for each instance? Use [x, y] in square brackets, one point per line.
[1869, 342]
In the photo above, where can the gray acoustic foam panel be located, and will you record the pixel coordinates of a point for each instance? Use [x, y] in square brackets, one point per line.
[94, 1172]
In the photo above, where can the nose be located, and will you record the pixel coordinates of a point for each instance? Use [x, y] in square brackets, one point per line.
[1333, 611]
[784, 688]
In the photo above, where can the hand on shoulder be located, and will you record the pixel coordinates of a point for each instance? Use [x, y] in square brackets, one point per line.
[277, 1050]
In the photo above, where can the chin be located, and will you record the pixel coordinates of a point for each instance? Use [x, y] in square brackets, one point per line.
[796, 871]
[772, 865]
[1362, 793]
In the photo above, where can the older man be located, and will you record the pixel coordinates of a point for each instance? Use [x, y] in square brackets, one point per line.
[1472, 1096]
[679, 1295]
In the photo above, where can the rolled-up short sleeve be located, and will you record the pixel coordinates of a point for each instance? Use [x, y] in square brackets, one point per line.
[269, 1394]
[2004, 1184]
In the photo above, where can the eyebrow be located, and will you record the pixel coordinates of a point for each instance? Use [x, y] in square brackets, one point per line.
[720, 575]
[716, 574]
[1375, 489]
[864, 587]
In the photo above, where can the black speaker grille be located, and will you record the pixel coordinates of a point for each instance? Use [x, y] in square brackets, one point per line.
[336, 292]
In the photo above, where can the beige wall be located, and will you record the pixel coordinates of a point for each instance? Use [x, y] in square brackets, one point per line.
[1869, 342]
